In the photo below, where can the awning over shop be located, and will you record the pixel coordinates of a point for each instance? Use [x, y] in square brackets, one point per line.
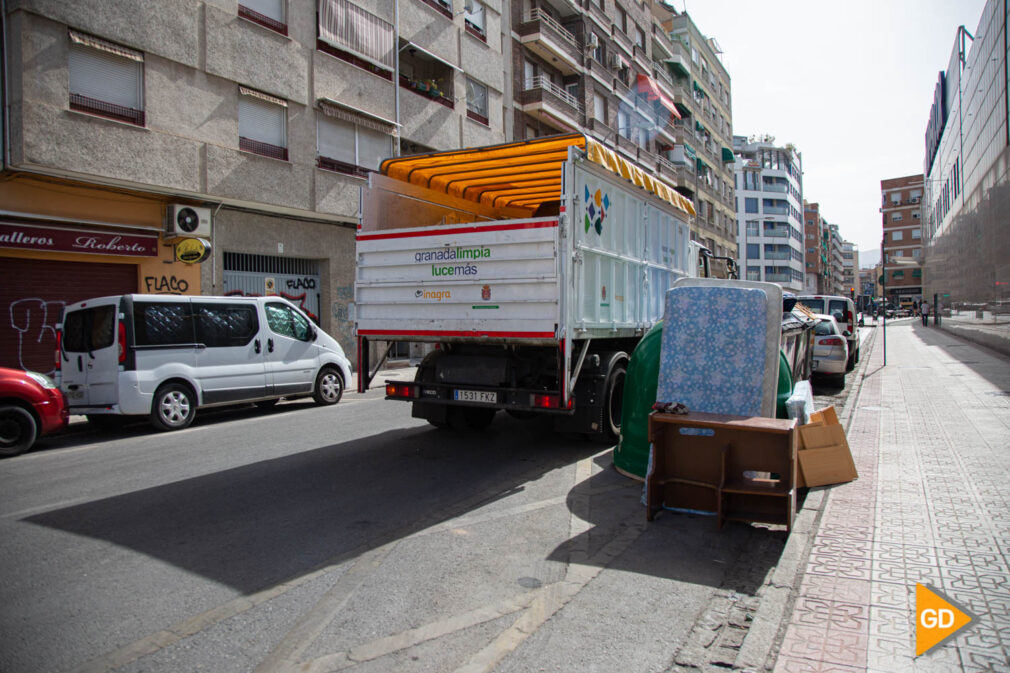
[518, 175]
[648, 86]
[727, 155]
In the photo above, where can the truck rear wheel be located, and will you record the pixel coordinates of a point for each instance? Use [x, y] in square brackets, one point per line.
[471, 418]
[613, 400]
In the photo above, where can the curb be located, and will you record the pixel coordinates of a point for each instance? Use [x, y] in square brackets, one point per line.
[760, 647]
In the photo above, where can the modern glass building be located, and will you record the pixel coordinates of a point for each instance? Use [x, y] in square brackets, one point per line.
[967, 167]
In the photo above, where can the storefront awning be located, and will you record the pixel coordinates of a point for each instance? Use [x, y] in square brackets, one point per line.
[518, 175]
[646, 85]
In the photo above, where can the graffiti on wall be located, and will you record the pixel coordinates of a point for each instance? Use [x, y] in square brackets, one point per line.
[297, 300]
[34, 320]
[166, 285]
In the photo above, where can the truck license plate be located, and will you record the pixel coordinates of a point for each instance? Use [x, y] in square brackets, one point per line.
[482, 396]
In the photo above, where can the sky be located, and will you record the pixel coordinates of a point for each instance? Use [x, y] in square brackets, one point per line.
[849, 83]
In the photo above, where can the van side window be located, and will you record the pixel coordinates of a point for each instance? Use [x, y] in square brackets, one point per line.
[162, 324]
[89, 329]
[223, 325]
[282, 320]
[835, 306]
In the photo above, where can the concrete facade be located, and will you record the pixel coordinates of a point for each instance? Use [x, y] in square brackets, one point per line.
[199, 60]
[641, 78]
[901, 207]
[769, 198]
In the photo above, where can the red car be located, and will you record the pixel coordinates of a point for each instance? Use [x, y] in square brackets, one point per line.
[31, 405]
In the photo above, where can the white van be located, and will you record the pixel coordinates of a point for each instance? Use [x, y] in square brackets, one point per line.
[165, 356]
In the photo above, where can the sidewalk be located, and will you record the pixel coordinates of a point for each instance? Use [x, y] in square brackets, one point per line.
[930, 435]
[989, 330]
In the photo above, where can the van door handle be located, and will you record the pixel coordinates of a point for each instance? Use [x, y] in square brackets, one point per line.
[256, 345]
[80, 363]
[270, 345]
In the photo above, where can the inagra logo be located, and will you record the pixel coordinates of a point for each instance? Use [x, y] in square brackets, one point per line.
[596, 210]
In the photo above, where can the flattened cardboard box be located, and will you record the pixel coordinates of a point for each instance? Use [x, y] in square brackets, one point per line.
[824, 456]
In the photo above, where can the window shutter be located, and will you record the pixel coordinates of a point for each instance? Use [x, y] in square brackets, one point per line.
[373, 147]
[272, 9]
[335, 139]
[106, 77]
[262, 121]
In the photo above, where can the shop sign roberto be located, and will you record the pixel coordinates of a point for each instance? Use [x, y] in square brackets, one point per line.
[88, 241]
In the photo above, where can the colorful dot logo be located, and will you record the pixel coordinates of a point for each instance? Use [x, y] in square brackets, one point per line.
[596, 210]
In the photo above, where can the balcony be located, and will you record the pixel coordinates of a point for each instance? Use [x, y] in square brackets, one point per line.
[541, 34]
[662, 47]
[548, 102]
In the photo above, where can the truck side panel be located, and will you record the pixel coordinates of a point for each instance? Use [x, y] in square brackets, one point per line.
[497, 280]
[629, 251]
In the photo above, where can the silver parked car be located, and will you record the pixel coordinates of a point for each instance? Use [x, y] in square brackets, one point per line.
[831, 349]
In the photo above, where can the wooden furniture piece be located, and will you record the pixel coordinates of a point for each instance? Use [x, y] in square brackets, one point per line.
[741, 468]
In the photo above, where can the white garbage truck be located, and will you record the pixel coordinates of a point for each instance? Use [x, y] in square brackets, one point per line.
[533, 268]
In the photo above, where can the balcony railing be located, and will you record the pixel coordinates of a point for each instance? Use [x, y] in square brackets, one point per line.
[544, 83]
[545, 19]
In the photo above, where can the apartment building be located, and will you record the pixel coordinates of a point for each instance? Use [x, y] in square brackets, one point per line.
[901, 208]
[850, 270]
[967, 170]
[816, 258]
[134, 125]
[641, 78]
[769, 198]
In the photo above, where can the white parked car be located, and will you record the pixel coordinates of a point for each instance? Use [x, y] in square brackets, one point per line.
[164, 356]
[831, 349]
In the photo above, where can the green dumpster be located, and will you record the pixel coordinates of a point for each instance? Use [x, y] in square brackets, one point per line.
[631, 457]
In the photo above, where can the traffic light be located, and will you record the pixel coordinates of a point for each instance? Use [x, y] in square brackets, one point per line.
[852, 292]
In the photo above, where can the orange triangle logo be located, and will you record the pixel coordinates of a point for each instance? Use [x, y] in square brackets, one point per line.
[936, 618]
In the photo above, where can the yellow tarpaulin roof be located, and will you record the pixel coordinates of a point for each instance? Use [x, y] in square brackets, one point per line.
[521, 175]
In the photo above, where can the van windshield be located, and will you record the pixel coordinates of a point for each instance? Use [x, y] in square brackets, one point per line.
[89, 329]
[815, 305]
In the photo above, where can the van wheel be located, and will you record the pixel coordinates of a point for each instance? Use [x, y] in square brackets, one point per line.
[329, 387]
[18, 430]
[174, 407]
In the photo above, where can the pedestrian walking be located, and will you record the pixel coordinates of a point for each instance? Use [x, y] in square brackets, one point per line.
[925, 313]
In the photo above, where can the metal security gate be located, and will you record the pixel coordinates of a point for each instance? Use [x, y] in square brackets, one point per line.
[297, 280]
[33, 295]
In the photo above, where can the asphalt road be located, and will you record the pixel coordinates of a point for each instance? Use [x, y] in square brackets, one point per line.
[355, 537]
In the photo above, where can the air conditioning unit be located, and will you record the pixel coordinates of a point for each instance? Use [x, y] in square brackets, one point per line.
[594, 41]
[188, 221]
[617, 62]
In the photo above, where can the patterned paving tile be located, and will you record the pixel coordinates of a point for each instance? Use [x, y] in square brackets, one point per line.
[847, 531]
[893, 655]
[836, 546]
[985, 661]
[844, 616]
[796, 665]
[898, 553]
[892, 595]
[905, 573]
[958, 579]
[891, 624]
[839, 566]
[828, 588]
